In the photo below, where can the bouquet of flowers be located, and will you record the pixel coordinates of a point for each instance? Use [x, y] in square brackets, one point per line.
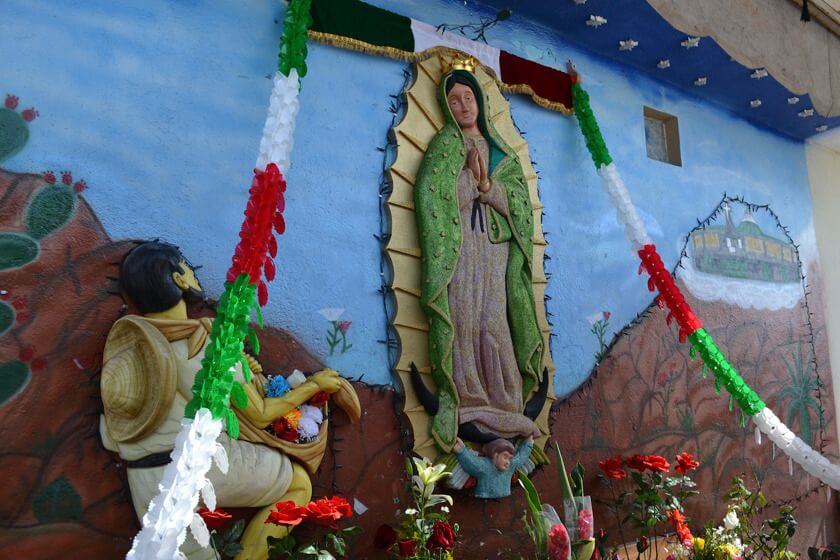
[302, 424]
[324, 512]
[425, 532]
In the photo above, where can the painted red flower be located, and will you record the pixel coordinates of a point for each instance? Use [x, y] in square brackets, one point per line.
[318, 399]
[657, 463]
[327, 511]
[49, 177]
[79, 186]
[66, 177]
[287, 513]
[11, 101]
[607, 315]
[558, 543]
[385, 537]
[215, 519]
[443, 537]
[26, 353]
[585, 522]
[613, 468]
[30, 114]
[20, 303]
[407, 548]
[636, 462]
[685, 463]
[344, 326]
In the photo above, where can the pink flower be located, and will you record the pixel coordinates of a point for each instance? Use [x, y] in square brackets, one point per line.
[585, 523]
[607, 315]
[79, 186]
[30, 114]
[559, 546]
[66, 177]
[11, 101]
[49, 177]
[344, 326]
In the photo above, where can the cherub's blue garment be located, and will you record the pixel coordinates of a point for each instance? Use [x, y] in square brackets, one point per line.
[490, 481]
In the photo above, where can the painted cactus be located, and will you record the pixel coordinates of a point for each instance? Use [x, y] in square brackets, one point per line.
[52, 206]
[14, 127]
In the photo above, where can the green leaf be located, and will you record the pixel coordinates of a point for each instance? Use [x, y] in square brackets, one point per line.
[338, 544]
[351, 531]
[235, 531]
[233, 549]
[531, 494]
[238, 396]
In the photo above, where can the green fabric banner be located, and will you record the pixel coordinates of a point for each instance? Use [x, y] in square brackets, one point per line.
[363, 22]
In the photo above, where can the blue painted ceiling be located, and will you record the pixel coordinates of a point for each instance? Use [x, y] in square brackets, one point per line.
[728, 83]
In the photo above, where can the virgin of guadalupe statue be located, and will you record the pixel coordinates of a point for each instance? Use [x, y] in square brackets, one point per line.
[475, 225]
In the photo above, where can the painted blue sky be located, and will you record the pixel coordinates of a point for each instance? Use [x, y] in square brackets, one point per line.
[160, 109]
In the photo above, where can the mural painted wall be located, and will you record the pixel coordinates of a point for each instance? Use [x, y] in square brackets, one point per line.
[162, 120]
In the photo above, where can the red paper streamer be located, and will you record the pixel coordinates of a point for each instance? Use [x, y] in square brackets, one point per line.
[257, 245]
[669, 294]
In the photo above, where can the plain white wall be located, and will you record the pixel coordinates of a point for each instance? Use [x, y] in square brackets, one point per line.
[823, 156]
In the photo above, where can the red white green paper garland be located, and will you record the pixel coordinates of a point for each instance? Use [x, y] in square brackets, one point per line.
[196, 447]
[691, 328]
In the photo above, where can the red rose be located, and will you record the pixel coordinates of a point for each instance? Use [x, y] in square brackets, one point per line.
[215, 519]
[657, 463]
[407, 548]
[318, 399]
[685, 463]
[637, 463]
[642, 544]
[287, 513]
[385, 537]
[327, 511]
[443, 537]
[680, 527]
[613, 468]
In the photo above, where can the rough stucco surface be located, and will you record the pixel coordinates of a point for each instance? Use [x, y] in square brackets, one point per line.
[805, 58]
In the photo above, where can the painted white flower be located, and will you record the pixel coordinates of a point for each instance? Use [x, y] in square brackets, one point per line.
[332, 313]
[731, 520]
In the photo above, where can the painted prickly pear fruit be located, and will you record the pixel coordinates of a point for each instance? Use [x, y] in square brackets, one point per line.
[50, 208]
[17, 250]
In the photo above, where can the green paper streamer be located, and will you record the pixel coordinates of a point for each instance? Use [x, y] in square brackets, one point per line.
[589, 127]
[725, 374]
[214, 383]
[293, 50]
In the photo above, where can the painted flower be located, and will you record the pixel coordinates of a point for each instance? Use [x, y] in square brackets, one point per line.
[11, 101]
[344, 326]
[407, 548]
[79, 186]
[66, 177]
[585, 524]
[613, 468]
[607, 315]
[332, 314]
[327, 511]
[730, 521]
[277, 387]
[30, 114]
[443, 537]
[385, 537]
[559, 545]
[49, 177]
[598, 317]
[287, 513]
[215, 519]
[26, 353]
[319, 399]
[685, 463]
[20, 303]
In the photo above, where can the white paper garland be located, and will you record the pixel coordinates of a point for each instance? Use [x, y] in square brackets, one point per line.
[279, 128]
[184, 482]
[797, 450]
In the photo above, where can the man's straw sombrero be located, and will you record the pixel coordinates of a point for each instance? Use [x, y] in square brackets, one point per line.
[138, 379]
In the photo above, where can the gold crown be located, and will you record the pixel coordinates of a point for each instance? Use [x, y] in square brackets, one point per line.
[467, 63]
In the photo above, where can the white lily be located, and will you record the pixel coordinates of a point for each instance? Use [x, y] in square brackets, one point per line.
[429, 473]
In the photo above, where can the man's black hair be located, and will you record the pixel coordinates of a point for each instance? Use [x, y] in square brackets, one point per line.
[146, 276]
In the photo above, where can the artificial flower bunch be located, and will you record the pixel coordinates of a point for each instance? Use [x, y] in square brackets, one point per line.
[647, 497]
[425, 532]
[323, 512]
[301, 424]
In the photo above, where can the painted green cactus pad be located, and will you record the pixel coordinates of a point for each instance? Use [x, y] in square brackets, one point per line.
[49, 210]
[58, 501]
[17, 250]
[14, 133]
[7, 317]
[14, 376]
